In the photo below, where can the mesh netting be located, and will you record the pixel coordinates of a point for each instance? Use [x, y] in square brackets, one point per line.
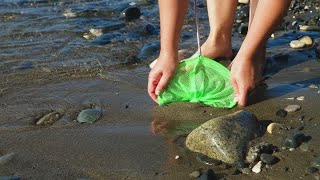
[200, 80]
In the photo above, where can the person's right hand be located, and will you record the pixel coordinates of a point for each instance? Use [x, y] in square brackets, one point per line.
[161, 73]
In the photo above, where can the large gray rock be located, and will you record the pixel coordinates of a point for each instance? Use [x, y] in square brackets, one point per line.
[224, 138]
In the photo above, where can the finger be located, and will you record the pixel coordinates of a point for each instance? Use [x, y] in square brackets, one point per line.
[162, 84]
[235, 89]
[243, 96]
[152, 84]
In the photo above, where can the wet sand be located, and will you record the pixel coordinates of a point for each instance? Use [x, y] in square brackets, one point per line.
[136, 139]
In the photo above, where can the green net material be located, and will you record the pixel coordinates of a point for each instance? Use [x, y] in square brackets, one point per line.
[200, 80]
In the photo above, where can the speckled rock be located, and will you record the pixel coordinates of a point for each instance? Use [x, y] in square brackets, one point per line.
[255, 152]
[89, 115]
[224, 138]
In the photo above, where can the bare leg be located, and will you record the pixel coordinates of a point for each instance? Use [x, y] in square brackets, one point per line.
[221, 18]
[245, 71]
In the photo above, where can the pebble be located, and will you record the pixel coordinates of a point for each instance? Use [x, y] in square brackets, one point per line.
[307, 40]
[300, 98]
[313, 86]
[49, 119]
[130, 13]
[10, 178]
[294, 140]
[290, 98]
[319, 92]
[309, 28]
[243, 29]
[149, 50]
[312, 169]
[292, 108]
[89, 115]
[96, 32]
[296, 44]
[304, 147]
[292, 149]
[6, 158]
[208, 175]
[69, 14]
[257, 168]
[268, 158]
[281, 113]
[255, 152]
[274, 127]
[243, 1]
[316, 163]
[195, 174]
[177, 157]
[246, 170]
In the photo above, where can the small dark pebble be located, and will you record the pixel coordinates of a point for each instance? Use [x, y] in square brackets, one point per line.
[130, 13]
[295, 140]
[312, 169]
[208, 175]
[242, 165]
[243, 29]
[268, 159]
[281, 113]
[127, 106]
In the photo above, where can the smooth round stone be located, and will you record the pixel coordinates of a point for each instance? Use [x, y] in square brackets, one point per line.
[312, 169]
[300, 98]
[130, 13]
[281, 113]
[195, 174]
[307, 40]
[294, 141]
[274, 127]
[296, 44]
[89, 115]
[292, 108]
[257, 168]
[268, 158]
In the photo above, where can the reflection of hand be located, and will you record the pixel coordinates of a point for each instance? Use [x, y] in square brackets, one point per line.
[160, 75]
[245, 73]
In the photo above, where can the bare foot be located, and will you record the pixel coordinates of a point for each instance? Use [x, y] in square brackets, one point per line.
[182, 54]
[213, 50]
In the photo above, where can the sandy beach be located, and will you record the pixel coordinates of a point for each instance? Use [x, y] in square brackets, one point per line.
[134, 138]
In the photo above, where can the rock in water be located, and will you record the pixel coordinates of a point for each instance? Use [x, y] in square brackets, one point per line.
[89, 115]
[224, 138]
[295, 44]
[130, 13]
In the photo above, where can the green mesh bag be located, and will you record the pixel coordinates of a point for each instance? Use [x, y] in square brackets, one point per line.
[200, 80]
